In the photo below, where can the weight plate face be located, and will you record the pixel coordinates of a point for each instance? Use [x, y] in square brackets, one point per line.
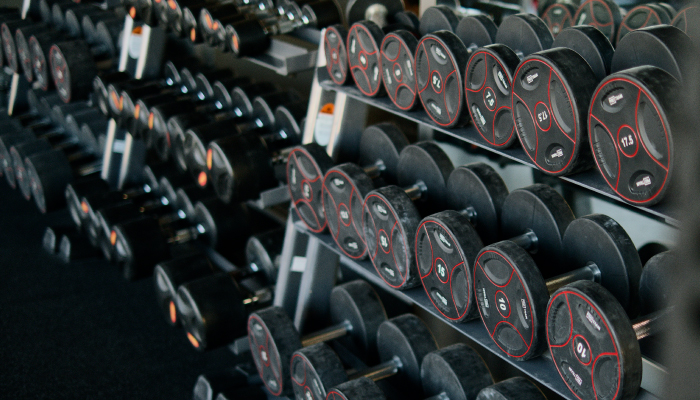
[24, 55]
[488, 88]
[357, 10]
[631, 138]
[314, 370]
[336, 53]
[639, 17]
[602, 14]
[8, 44]
[305, 181]
[509, 309]
[344, 190]
[476, 31]
[687, 20]
[592, 343]
[36, 189]
[440, 60]
[60, 73]
[389, 220]
[39, 64]
[397, 51]
[456, 372]
[546, 115]
[558, 17]
[446, 246]
[364, 58]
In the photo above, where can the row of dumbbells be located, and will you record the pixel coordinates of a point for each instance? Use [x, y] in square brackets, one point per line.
[445, 251]
[84, 39]
[222, 129]
[500, 75]
[52, 144]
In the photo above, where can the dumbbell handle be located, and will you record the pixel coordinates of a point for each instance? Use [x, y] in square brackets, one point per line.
[650, 324]
[590, 272]
[332, 332]
[374, 170]
[379, 372]
[527, 240]
[415, 191]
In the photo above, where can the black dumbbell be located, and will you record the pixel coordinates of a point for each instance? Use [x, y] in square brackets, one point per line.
[637, 113]
[346, 185]
[85, 186]
[9, 45]
[75, 64]
[448, 242]
[391, 214]
[231, 383]
[356, 312]
[140, 244]
[213, 20]
[490, 73]
[250, 37]
[74, 17]
[512, 294]
[59, 13]
[403, 343]
[262, 256]
[552, 90]
[363, 44]
[242, 166]
[176, 16]
[688, 20]
[454, 372]
[558, 15]
[24, 54]
[517, 388]
[596, 348]
[89, 24]
[607, 16]
[196, 139]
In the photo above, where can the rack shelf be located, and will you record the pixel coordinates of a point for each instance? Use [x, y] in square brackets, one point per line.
[540, 369]
[590, 179]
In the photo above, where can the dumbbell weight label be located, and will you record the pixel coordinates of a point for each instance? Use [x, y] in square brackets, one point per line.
[336, 55]
[589, 361]
[557, 17]
[438, 80]
[305, 189]
[343, 208]
[488, 92]
[504, 305]
[364, 60]
[265, 356]
[39, 65]
[60, 73]
[305, 387]
[630, 140]
[544, 116]
[399, 71]
[442, 267]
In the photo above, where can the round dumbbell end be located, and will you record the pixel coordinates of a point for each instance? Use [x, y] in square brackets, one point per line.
[247, 37]
[456, 371]
[512, 389]
[316, 369]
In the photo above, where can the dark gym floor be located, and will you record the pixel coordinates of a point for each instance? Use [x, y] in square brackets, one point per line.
[79, 330]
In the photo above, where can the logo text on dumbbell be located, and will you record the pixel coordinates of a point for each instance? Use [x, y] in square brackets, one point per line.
[532, 77]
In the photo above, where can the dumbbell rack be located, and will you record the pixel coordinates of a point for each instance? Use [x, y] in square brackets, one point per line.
[323, 256]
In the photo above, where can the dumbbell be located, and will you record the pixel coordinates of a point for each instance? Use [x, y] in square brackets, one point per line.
[89, 24]
[24, 54]
[214, 20]
[607, 16]
[196, 139]
[60, 10]
[596, 349]
[558, 15]
[262, 256]
[250, 37]
[356, 312]
[140, 244]
[74, 17]
[490, 73]
[454, 372]
[637, 113]
[688, 20]
[363, 44]
[403, 342]
[213, 309]
[391, 214]
[512, 293]
[448, 242]
[517, 388]
[552, 90]
[79, 59]
[345, 185]
[9, 46]
[242, 166]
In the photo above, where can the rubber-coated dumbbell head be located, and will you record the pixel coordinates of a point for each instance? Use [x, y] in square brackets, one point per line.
[363, 42]
[377, 11]
[517, 388]
[605, 15]
[397, 59]
[346, 185]
[687, 21]
[336, 54]
[559, 16]
[391, 216]
[448, 242]
[306, 166]
[456, 372]
[262, 252]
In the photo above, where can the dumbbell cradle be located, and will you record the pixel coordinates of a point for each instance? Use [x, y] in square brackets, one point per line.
[603, 340]
[448, 242]
[403, 343]
[345, 185]
[356, 311]
[597, 249]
